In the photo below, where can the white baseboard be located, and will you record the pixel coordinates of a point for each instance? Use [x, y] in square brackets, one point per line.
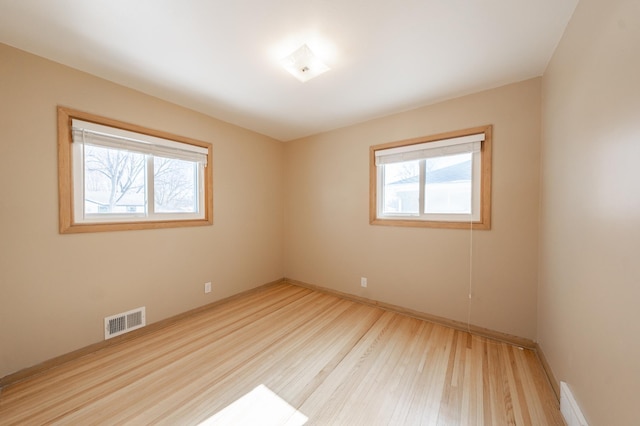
[569, 407]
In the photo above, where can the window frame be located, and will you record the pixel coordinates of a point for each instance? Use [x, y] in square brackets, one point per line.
[483, 222]
[66, 190]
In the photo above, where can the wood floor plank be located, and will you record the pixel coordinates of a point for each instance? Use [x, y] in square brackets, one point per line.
[335, 361]
[269, 367]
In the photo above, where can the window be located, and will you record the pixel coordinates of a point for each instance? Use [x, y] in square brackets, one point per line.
[441, 181]
[116, 176]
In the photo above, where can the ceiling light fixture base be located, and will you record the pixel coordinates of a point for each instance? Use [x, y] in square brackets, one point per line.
[303, 64]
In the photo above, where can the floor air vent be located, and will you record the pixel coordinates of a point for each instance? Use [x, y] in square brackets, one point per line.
[116, 325]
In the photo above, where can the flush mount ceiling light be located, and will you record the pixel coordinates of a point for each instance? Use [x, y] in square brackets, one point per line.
[303, 64]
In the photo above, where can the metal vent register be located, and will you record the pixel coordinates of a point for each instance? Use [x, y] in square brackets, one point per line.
[124, 322]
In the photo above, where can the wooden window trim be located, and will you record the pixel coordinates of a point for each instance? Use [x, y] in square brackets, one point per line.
[484, 223]
[67, 224]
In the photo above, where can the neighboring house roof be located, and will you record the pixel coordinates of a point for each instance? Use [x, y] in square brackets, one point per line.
[455, 172]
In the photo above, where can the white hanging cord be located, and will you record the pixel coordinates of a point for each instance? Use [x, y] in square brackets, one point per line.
[470, 292]
[470, 275]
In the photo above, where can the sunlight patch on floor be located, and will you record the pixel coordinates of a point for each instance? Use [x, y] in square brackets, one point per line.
[260, 406]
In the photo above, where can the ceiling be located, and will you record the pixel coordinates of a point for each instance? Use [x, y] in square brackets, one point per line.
[222, 58]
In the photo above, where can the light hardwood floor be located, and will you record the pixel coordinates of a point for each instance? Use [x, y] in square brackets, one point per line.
[336, 361]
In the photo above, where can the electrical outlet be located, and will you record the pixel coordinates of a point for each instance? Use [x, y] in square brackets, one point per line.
[207, 287]
[363, 282]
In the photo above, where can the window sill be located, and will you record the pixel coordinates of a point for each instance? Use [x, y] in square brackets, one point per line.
[480, 225]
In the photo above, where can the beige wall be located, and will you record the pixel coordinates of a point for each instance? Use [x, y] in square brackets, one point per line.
[588, 315]
[56, 289]
[329, 242]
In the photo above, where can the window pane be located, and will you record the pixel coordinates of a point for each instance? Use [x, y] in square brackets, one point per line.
[175, 185]
[114, 181]
[402, 188]
[448, 184]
